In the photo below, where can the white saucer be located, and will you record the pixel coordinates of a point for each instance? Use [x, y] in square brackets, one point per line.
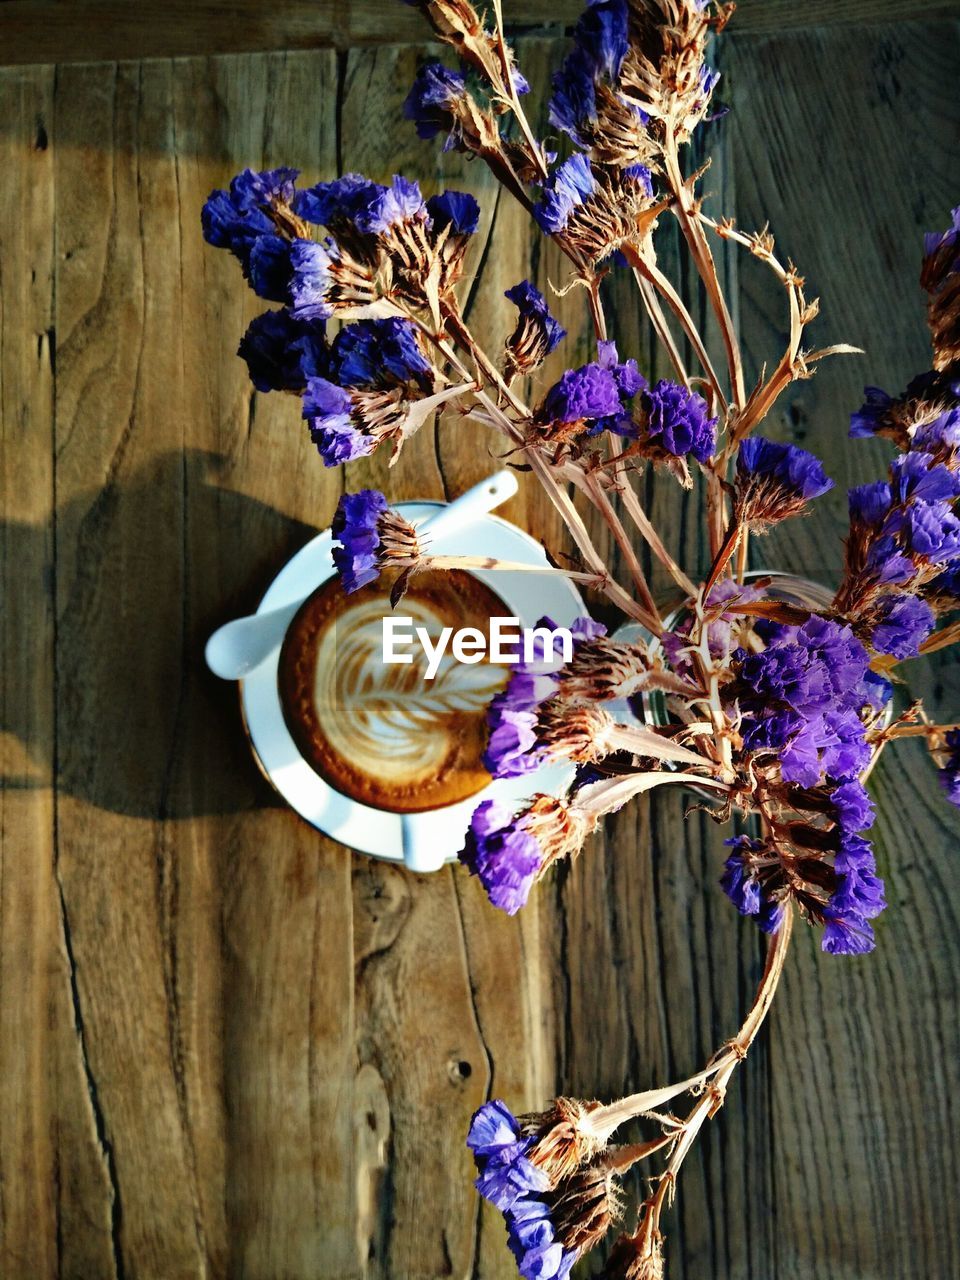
[425, 841]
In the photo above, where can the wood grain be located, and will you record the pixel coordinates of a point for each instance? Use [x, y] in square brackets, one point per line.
[33, 31]
[230, 1048]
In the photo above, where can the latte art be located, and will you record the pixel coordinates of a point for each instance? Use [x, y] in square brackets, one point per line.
[378, 732]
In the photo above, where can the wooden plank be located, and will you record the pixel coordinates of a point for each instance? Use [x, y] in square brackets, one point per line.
[198, 905]
[438, 1027]
[849, 184]
[41, 1056]
[288, 1043]
[106, 30]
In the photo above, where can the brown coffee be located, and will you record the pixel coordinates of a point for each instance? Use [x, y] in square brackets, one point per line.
[381, 733]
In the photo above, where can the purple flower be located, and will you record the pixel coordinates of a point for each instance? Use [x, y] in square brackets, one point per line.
[949, 773]
[942, 435]
[854, 809]
[802, 697]
[310, 279]
[915, 476]
[512, 747]
[282, 352]
[379, 353]
[601, 41]
[567, 187]
[595, 393]
[870, 503]
[457, 210]
[268, 268]
[234, 219]
[849, 935]
[429, 104]
[677, 419]
[931, 530]
[492, 1129]
[537, 332]
[871, 414]
[328, 410]
[589, 392]
[355, 203]
[356, 526]
[776, 480]
[740, 882]
[515, 1186]
[902, 623]
[502, 854]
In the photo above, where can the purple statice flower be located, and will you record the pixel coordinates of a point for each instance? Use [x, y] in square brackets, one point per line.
[356, 527]
[739, 881]
[940, 436]
[431, 101]
[601, 41]
[309, 278]
[513, 748]
[776, 480]
[515, 1186]
[354, 202]
[628, 377]
[870, 503]
[802, 697]
[859, 893]
[853, 807]
[268, 268]
[379, 353]
[949, 772]
[595, 393]
[354, 404]
[233, 219]
[282, 352]
[846, 934]
[677, 419]
[568, 186]
[457, 210]
[871, 414]
[537, 332]
[900, 624]
[502, 854]
[328, 410]
[930, 530]
[916, 477]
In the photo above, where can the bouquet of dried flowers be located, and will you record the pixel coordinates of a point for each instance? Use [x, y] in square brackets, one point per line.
[775, 711]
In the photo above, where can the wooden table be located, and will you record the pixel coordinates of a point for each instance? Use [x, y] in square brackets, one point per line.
[229, 1047]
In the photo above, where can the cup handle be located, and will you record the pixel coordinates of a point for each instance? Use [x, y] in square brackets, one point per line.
[476, 502]
[422, 849]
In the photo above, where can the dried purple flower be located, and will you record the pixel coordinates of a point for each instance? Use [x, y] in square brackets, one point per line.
[775, 481]
[677, 419]
[537, 332]
[234, 219]
[372, 537]
[592, 398]
[510, 851]
[900, 623]
[282, 352]
[431, 101]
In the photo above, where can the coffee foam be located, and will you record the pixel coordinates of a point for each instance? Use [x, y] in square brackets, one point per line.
[380, 732]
